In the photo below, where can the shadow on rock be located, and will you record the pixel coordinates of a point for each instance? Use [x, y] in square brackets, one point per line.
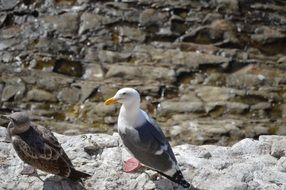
[58, 183]
[165, 184]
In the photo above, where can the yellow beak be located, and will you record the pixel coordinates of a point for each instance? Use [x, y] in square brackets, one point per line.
[110, 101]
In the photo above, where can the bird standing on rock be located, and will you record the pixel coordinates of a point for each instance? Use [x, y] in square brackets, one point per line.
[144, 138]
[38, 147]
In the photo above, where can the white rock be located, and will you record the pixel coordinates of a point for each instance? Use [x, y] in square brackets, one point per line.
[248, 164]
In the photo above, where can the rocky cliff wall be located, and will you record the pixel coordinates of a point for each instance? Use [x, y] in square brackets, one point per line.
[210, 71]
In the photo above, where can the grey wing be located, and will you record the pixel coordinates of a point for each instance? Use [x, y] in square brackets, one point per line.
[158, 134]
[152, 136]
[51, 141]
[149, 145]
[156, 130]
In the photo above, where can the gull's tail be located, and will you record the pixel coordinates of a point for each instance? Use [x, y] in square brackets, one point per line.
[179, 179]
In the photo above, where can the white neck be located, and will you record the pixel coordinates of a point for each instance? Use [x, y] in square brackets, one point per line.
[130, 116]
[129, 113]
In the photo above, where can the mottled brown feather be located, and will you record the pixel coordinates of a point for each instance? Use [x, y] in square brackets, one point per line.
[50, 157]
[51, 162]
[52, 141]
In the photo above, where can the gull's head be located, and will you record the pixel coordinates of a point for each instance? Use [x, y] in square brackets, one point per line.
[19, 122]
[125, 96]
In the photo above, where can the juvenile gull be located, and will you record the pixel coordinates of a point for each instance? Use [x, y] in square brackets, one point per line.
[144, 138]
[38, 147]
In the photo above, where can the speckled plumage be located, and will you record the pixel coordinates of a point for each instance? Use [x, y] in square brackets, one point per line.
[38, 147]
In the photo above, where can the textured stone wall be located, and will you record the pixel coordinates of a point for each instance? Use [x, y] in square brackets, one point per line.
[210, 71]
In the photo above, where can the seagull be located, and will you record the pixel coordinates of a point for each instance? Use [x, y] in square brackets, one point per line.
[38, 147]
[143, 137]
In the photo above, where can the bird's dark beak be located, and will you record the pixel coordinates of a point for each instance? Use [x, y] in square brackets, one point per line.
[6, 117]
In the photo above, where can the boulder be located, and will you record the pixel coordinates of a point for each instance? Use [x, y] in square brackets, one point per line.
[248, 164]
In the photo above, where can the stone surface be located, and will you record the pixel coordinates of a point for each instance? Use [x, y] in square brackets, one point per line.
[248, 164]
[14, 91]
[180, 107]
[67, 24]
[216, 61]
[69, 95]
[127, 72]
[210, 72]
[91, 22]
[39, 95]
[209, 94]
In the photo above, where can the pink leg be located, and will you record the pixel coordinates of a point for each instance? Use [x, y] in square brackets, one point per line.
[131, 165]
[30, 171]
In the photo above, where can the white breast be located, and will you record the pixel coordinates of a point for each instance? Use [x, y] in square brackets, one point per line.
[130, 120]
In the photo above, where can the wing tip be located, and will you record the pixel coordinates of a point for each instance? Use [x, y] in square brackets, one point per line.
[78, 175]
[179, 179]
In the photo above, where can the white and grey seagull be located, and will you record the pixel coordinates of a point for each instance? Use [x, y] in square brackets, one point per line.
[143, 137]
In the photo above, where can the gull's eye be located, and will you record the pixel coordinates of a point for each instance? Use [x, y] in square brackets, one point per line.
[124, 93]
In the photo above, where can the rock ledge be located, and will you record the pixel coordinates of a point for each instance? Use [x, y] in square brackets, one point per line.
[248, 164]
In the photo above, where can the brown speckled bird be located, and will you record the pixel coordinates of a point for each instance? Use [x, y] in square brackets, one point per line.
[38, 147]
